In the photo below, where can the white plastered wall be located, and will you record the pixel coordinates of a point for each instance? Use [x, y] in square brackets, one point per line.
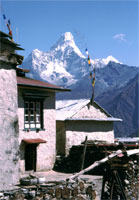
[76, 131]
[46, 152]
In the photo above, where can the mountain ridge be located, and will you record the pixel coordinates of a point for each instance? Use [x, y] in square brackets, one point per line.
[123, 103]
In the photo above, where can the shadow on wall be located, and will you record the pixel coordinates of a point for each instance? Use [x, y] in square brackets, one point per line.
[89, 126]
[36, 95]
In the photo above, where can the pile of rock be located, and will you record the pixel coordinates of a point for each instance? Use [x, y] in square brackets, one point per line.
[74, 190]
[131, 180]
[127, 171]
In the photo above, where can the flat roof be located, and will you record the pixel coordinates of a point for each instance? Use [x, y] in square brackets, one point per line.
[28, 82]
[108, 119]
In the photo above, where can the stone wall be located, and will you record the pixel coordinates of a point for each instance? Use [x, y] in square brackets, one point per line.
[9, 147]
[90, 121]
[74, 133]
[46, 152]
[73, 190]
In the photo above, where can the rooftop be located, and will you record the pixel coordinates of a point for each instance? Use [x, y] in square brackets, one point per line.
[28, 82]
[69, 109]
[7, 39]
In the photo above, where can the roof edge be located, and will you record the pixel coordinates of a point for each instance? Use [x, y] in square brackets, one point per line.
[43, 87]
[93, 119]
[105, 111]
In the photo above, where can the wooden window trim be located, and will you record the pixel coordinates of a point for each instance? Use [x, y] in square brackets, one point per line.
[35, 101]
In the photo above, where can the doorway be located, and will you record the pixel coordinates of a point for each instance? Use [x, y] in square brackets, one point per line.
[30, 157]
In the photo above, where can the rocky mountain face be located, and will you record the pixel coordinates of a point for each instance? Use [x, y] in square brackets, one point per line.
[66, 66]
[113, 75]
[63, 65]
[124, 103]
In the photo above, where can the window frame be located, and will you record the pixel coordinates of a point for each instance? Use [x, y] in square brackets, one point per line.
[34, 101]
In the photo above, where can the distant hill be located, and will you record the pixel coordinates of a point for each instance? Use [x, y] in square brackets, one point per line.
[124, 103]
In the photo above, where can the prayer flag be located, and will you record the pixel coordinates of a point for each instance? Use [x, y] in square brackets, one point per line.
[89, 62]
[93, 82]
[8, 24]
[86, 51]
[92, 76]
[4, 17]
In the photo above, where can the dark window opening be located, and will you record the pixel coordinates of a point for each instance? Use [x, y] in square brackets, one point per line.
[33, 115]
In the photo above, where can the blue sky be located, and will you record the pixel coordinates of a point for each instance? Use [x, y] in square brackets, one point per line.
[104, 27]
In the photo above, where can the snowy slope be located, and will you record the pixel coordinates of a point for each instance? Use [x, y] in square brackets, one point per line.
[104, 61]
[63, 65]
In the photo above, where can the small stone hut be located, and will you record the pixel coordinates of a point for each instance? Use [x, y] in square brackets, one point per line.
[76, 119]
[9, 146]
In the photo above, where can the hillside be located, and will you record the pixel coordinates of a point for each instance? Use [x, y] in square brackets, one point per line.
[123, 103]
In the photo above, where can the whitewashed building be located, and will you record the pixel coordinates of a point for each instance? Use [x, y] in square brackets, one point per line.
[76, 119]
[37, 123]
[9, 147]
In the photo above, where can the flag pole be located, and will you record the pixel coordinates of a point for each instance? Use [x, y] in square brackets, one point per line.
[92, 77]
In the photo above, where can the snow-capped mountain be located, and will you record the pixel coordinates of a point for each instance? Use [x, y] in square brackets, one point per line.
[63, 65]
[99, 63]
[65, 46]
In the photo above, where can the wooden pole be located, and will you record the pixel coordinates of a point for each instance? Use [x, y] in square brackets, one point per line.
[133, 151]
[97, 163]
[84, 152]
[118, 180]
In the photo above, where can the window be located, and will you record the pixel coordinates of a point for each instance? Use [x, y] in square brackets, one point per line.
[33, 114]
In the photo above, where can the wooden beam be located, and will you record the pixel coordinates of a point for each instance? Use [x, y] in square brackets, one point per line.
[95, 164]
[98, 163]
